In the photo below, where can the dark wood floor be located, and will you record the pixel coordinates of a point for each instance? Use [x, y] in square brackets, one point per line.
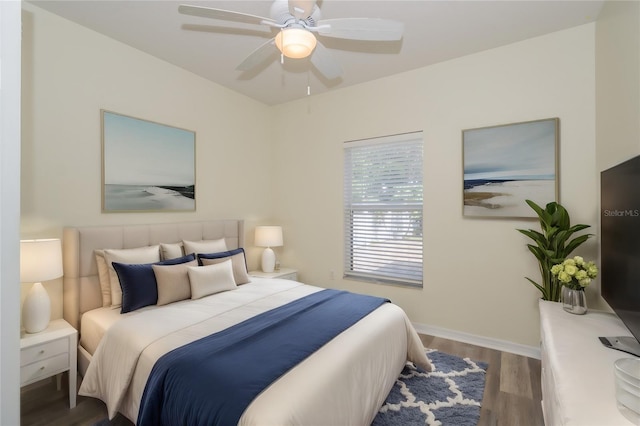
[512, 393]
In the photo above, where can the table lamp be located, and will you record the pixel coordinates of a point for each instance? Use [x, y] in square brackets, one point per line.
[268, 236]
[40, 260]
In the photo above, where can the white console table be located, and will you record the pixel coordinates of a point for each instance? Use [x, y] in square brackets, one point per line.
[578, 380]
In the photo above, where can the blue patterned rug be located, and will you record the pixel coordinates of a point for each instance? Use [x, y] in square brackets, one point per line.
[449, 395]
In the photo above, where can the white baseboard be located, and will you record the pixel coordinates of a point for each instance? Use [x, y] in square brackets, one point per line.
[487, 342]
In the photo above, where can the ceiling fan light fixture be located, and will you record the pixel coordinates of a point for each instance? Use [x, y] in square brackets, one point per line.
[295, 42]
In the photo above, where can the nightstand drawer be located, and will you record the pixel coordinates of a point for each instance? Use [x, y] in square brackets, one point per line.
[43, 351]
[44, 368]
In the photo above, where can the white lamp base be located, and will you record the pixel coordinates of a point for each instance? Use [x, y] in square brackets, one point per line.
[36, 310]
[268, 260]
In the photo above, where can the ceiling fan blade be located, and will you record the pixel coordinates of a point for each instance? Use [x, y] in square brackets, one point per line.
[226, 15]
[361, 29]
[258, 56]
[324, 62]
[301, 9]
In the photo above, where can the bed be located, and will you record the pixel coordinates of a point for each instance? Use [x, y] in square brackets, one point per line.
[345, 381]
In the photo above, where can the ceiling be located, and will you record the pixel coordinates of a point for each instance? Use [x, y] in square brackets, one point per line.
[434, 31]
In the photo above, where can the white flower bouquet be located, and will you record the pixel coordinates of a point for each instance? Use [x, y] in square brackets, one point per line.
[575, 273]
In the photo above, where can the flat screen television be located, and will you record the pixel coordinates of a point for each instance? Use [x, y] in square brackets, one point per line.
[620, 249]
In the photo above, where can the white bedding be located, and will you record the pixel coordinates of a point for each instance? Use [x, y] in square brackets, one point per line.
[95, 324]
[345, 382]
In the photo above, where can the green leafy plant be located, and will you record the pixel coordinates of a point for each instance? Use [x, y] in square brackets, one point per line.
[553, 245]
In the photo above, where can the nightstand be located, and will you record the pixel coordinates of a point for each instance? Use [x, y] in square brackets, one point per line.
[283, 273]
[48, 353]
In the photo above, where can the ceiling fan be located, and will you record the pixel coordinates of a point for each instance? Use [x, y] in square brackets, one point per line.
[300, 23]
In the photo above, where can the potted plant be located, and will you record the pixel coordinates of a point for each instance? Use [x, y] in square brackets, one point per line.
[574, 275]
[553, 245]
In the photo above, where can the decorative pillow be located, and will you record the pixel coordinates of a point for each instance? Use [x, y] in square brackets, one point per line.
[103, 277]
[211, 279]
[173, 282]
[138, 286]
[238, 263]
[171, 251]
[149, 254]
[138, 282]
[204, 246]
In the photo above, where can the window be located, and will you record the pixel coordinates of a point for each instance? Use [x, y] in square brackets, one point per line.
[383, 209]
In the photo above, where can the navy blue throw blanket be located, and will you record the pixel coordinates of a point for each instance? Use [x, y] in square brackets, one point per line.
[212, 381]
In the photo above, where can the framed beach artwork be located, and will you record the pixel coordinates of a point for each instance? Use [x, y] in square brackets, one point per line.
[506, 165]
[146, 166]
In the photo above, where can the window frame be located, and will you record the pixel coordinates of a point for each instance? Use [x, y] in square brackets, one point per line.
[397, 247]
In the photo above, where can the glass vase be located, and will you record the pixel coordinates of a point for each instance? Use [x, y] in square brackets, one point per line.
[573, 301]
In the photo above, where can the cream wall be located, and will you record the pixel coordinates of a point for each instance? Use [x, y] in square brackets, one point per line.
[473, 268]
[617, 83]
[69, 74]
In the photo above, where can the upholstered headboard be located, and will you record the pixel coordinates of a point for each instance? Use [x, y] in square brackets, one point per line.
[81, 285]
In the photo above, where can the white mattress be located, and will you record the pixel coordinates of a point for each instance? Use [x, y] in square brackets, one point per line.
[345, 382]
[94, 324]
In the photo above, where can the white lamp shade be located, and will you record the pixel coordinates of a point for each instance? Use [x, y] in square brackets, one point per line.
[40, 260]
[295, 43]
[268, 236]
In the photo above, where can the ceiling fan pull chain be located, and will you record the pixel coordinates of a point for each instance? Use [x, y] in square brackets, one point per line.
[308, 84]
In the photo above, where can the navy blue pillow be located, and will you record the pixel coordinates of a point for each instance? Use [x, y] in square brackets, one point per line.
[221, 254]
[177, 260]
[138, 282]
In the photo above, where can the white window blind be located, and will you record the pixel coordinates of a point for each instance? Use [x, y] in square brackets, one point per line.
[383, 209]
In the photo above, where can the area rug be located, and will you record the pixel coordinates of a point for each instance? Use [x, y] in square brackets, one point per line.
[449, 395]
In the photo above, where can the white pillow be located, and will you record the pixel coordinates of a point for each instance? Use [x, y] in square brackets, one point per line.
[238, 263]
[171, 251]
[204, 246]
[149, 254]
[173, 282]
[103, 277]
[206, 280]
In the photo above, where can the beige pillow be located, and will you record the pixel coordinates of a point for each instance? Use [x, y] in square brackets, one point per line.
[204, 246]
[173, 282]
[171, 251]
[149, 254]
[103, 277]
[211, 279]
[238, 264]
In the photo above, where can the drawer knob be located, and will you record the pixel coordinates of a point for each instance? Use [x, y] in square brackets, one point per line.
[42, 368]
[41, 351]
